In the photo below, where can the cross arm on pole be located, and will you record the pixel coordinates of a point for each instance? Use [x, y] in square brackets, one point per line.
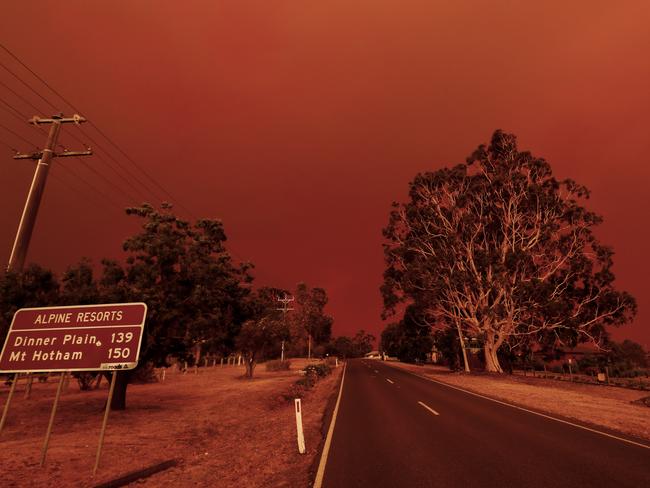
[75, 119]
[65, 154]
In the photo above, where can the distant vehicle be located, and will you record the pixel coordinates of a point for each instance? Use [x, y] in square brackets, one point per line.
[373, 355]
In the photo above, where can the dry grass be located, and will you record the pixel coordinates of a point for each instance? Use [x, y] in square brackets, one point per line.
[227, 431]
[609, 407]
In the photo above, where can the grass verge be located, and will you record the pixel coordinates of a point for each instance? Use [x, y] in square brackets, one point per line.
[224, 430]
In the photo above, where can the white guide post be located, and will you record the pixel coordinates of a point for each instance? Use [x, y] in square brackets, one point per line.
[301, 435]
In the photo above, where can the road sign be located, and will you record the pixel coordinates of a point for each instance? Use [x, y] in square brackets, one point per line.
[74, 338]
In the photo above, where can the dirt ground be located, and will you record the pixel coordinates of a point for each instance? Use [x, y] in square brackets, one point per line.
[226, 431]
[604, 406]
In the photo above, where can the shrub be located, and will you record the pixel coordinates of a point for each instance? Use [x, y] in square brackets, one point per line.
[319, 370]
[296, 390]
[307, 381]
[278, 365]
[85, 379]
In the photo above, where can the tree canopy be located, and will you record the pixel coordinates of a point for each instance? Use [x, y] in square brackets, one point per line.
[500, 247]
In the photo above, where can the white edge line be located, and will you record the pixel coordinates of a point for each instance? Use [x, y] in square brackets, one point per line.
[429, 408]
[318, 482]
[390, 381]
[645, 446]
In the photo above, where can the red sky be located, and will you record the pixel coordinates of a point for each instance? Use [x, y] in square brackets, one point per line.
[298, 123]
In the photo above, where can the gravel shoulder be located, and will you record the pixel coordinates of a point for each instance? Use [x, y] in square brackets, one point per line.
[609, 407]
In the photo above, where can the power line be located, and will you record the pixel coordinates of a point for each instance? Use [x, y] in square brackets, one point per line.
[19, 96]
[7, 107]
[189, 212]
[22, 117]
[102, 133]
[128, 182]
[101, 147]
[18, 135]
[107, 181]
[18, 115]
[76, 189]
[91, 186]
[28, 86]
[8, 146]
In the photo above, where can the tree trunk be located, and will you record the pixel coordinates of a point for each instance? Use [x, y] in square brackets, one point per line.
[250, 367]
[119, 394]
[197, 353]
[491, 360]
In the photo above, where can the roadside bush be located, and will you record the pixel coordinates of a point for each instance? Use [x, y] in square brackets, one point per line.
[278, 365]
[307, 381]
[313, 373]
[85, 379]
[319, 370]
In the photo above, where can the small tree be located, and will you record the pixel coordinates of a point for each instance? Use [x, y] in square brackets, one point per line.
[256, 337]
[310, 325]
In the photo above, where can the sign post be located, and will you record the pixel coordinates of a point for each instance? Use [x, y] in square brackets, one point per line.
[73, 338]
[104, 422]
[5, 410]
[49, 425]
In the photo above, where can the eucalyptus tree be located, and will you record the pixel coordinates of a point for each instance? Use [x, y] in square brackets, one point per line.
[194, 292]
[310, 322]
[501, 249]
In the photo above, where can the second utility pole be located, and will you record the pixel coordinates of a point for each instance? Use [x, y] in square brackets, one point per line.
[28, 219]
[285, 308]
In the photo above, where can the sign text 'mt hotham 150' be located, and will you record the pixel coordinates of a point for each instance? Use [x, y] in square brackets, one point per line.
[75, 338]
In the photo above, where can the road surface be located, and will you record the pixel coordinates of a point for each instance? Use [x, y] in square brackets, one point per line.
[394, 429]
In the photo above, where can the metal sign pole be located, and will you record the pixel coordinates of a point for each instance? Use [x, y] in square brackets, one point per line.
[5, 411]
[101, 434]
[49, 427]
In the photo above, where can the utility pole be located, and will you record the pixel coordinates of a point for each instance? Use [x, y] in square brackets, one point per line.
[285, 308]
[44, 157]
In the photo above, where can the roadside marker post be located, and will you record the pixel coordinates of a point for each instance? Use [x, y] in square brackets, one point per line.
[301, 435]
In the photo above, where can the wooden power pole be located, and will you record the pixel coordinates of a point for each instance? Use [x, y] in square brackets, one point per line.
[285, 308]
[44, 157]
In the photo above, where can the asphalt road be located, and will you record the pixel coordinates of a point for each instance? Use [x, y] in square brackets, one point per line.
[395, 429]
